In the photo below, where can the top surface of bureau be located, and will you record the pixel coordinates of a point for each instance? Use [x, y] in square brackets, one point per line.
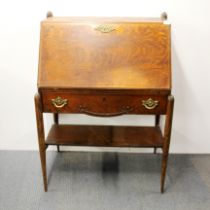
[105, 53]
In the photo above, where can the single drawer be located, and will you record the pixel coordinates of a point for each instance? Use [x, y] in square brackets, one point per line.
[103, 104]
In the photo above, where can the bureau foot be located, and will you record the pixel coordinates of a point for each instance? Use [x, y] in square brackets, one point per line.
[44, 171]
[163, 172]
[166, 140]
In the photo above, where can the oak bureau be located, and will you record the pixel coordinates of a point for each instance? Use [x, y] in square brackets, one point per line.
[105, 67]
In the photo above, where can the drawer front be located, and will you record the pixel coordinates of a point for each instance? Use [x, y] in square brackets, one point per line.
[103, 104]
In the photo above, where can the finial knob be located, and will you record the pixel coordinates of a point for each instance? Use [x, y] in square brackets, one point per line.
[164, 16]
[49, 14]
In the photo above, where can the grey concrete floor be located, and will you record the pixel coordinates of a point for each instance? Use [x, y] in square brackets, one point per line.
[103, 181]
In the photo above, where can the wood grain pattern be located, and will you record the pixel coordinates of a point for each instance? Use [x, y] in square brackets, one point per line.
[104, 72]
[134, 56]
[103, 103]
[109, 136]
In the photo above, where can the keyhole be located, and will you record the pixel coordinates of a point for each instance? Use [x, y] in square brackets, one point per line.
[104, 99]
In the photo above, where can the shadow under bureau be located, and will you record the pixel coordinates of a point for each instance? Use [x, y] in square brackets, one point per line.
[104, 67]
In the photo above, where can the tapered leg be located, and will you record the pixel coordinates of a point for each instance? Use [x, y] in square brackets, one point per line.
[41, 137]
[166, 138]
[56, 121]
[55, 117]
[157, 121]
[155, 150]
[58, 148]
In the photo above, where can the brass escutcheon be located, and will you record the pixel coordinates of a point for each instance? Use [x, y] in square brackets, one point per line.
[59, 102]
[150, 103]
[105, 28]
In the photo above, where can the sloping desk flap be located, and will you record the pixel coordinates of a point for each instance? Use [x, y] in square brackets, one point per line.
[104, 53]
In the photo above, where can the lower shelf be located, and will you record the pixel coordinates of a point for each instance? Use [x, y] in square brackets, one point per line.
[107, 136]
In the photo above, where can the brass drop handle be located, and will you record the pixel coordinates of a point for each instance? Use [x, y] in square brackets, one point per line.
[150, 103]
[59, 102]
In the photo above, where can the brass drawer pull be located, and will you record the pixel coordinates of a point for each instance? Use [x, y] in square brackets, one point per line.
[150, 103]
[59, 102]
